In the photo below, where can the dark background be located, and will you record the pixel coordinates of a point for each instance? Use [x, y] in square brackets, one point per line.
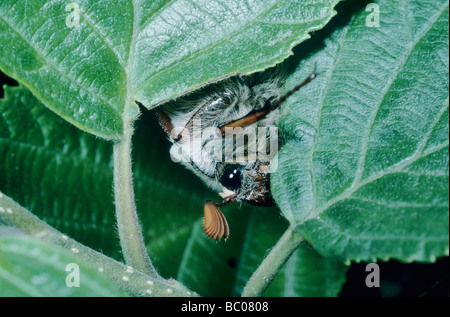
[5, 80]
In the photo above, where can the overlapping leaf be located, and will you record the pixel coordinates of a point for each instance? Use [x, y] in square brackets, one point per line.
[364, 173]
[90, 60]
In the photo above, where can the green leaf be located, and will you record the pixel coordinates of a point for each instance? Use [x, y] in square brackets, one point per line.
[221, 269]
[217, 269]
[55, 170]
[305, 274]
[30, 267]
[364, 172]
[90, 60]
[308, 274]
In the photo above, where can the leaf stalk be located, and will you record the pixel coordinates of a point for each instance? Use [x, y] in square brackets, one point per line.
[130, 233]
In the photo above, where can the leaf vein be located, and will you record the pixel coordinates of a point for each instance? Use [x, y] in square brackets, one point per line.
[365, 143]
[398, 168]
[205, 49]
[372, 238]
[102, 36]
[71, 80]
[426, 138]
[321, 102]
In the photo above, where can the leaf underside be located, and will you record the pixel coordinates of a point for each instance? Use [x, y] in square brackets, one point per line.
[364, 172]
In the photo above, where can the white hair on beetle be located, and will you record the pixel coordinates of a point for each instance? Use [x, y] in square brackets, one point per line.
[212, 108]
[226, 134]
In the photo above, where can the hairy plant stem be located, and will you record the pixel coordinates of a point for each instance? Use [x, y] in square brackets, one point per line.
[272, 264]
[125, 277]
[130, 234]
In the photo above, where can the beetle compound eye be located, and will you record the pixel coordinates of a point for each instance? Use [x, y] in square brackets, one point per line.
[231, 177]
